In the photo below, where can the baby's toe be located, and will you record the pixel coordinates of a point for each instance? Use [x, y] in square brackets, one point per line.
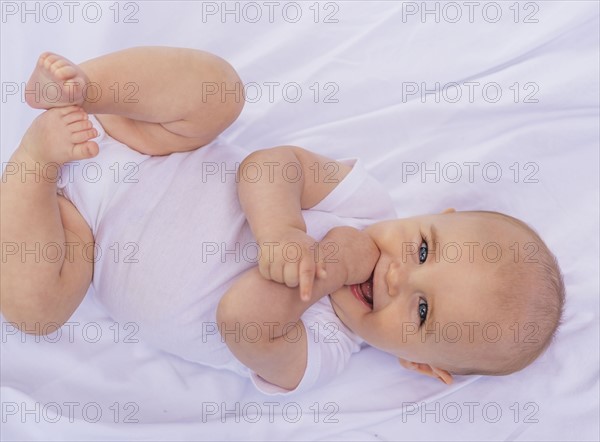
[63, 70]
[43, 57]
[76, 114]
[49, 60]
[83, 136]
[87, 149]
[80, 125]
[58, 64]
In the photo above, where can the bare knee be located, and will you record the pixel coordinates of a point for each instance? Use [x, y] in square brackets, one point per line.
[215, 104]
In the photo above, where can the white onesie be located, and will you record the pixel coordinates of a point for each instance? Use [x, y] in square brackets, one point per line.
[171, 238]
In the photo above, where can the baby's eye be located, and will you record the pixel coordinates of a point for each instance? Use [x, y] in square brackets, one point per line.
[423, 250]
[422, 310]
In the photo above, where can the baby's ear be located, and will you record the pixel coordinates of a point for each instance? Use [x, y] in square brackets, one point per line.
[448, 210]
[428, 370]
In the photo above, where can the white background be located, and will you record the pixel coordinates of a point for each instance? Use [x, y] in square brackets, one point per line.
[372, 57]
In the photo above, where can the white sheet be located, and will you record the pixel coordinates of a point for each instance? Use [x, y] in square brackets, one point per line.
[369, 60]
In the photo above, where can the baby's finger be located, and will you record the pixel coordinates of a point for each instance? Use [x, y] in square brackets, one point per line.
[307, 277]
[290, 274]
[321, 271]
[276, 271]
[263, 268]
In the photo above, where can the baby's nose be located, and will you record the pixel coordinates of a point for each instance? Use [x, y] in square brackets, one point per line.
[393, 279]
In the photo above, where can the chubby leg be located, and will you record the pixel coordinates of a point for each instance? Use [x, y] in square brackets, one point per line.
[45, 269]
[157, 100]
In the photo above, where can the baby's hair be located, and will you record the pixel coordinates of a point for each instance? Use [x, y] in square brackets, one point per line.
[534, 290]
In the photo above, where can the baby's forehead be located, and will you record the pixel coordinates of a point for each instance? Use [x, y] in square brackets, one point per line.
[472, 287]
[480, 228]
[487, 221]
[482, 296]
[472, 310]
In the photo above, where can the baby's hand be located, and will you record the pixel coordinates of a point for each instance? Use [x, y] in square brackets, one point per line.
[61, 135]
[290, 256]
[357, 252]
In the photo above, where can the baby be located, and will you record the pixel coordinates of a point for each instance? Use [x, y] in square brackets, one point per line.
[451, 293]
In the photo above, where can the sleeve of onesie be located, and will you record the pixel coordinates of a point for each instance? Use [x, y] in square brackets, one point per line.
[358, 196]
[329, 346]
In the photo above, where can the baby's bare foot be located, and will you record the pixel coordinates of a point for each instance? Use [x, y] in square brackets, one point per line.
[61, 135]
[55, 82]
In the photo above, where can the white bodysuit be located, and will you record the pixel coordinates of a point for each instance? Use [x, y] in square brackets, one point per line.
[171, 238]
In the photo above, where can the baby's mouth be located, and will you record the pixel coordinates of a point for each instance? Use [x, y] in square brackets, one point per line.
[364, 292]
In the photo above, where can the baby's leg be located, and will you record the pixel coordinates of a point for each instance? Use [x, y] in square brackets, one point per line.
[46, 270]
[156, 100]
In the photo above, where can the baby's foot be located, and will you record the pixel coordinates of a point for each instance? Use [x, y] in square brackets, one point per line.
[61, 135]
[55, 82]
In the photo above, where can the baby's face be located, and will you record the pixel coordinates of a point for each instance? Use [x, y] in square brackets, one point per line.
[436, 275]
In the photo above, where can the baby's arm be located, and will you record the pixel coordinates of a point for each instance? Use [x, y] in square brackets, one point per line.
[273, 205]
[47, 258]
[274, 308]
